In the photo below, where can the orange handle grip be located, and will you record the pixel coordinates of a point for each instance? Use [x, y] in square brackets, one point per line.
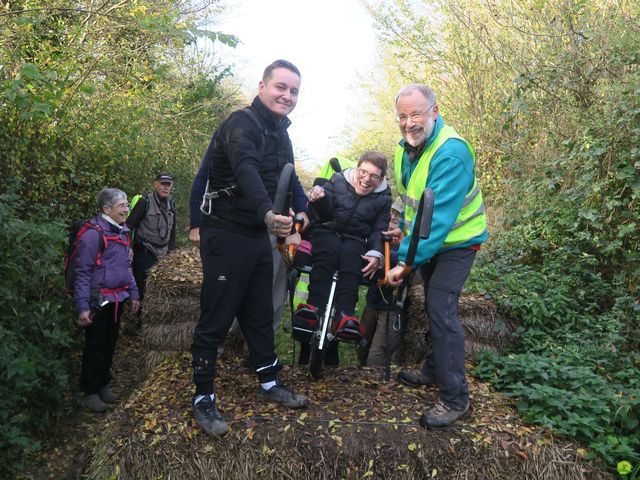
[292, 247]
[387, 260]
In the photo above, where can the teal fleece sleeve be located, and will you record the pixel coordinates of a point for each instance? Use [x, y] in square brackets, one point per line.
[451, 178]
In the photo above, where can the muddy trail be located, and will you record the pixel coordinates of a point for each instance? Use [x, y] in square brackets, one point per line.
[357, 426]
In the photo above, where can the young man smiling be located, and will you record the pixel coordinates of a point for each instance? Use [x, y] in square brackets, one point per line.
[243, 164]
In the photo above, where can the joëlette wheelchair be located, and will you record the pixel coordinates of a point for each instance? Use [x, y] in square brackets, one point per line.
[321, 328]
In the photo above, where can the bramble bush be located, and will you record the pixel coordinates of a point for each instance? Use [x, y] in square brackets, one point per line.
[35, 333]
[575, 367]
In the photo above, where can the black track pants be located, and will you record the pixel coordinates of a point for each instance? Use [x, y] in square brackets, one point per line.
[237, 282]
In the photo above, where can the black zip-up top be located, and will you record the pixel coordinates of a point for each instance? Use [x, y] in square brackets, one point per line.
[341, 210]
[236, 156]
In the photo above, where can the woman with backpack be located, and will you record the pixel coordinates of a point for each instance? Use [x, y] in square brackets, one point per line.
[103, 282]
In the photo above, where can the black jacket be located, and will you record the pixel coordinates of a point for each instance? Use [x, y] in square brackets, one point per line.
[242, 154]
[342, 210]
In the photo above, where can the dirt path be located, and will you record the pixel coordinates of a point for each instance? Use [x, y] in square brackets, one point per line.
[357, 426]
[67, 451]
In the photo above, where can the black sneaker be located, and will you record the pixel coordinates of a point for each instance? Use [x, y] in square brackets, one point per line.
[283, 395]
[208, 417]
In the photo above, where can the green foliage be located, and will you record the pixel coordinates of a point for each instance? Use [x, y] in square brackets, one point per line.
[90, 96]
[35, 334]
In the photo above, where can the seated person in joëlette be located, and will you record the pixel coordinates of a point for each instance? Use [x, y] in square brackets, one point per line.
[350, 212]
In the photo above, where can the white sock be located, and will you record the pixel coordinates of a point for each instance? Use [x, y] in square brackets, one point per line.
[200, 397]
[268, 385]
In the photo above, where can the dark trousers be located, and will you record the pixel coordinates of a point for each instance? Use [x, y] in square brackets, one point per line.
[100, 340]
[331, 356]
[374, 321]
[237, 282]
[444, 276]
[332, 252]
[143, 260]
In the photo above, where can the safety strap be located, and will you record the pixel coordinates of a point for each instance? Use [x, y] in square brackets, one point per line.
[114, 292]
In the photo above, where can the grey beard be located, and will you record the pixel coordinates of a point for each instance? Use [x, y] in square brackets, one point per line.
[416, 141]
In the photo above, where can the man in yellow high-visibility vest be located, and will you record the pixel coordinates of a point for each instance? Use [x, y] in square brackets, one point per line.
[433, 155]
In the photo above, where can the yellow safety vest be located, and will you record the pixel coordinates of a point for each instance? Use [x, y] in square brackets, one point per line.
[327, 171]
[472, 219]
[301, 294]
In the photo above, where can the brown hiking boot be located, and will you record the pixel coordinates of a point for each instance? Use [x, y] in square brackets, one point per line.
[415, 378]
[441, 416]
[94, 403]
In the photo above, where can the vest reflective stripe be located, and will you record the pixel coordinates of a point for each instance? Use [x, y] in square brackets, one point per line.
[471, 220]
[472, 195]
[301, 294]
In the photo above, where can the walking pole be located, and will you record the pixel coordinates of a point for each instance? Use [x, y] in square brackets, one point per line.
[381, 283]
[421, 231]
[281, 207]
[281, 203]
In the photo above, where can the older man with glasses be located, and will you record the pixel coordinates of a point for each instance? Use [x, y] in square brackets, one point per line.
[433, 155]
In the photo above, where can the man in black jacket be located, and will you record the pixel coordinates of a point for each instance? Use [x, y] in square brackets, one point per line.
[245, 158]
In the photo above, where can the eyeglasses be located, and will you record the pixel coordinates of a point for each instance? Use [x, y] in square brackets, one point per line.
[414, 116]
[374, 177]
[122, 205]
[166, 184]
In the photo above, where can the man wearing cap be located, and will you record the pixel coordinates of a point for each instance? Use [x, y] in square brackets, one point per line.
[153, 221]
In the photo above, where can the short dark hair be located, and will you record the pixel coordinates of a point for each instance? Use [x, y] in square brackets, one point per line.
[377, 158]
[279, 64]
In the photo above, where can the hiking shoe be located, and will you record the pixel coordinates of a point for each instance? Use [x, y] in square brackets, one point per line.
[415, 378]
[349, 329]
[283, 395]
[440, 416]
[107, 395]
[94, 403]
[208, 417]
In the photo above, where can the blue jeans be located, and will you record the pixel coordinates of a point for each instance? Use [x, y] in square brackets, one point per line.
[444, 276]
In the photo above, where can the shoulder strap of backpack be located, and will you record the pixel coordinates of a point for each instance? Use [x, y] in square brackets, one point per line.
[146, 198]
[88, 225]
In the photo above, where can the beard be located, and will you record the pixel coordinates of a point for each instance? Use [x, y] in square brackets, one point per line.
[418, 134]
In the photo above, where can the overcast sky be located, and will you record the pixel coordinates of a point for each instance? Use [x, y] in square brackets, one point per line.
[332, 42]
